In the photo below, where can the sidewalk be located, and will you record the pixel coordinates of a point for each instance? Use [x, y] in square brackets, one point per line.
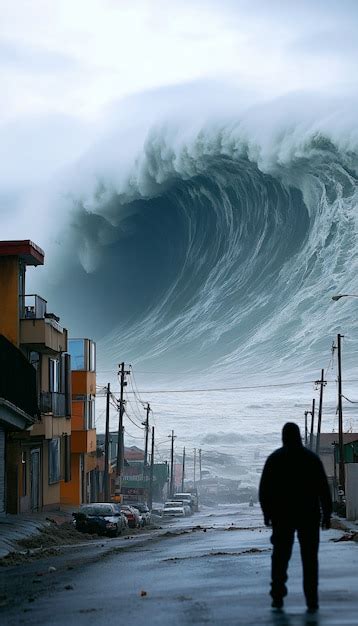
[13, 528]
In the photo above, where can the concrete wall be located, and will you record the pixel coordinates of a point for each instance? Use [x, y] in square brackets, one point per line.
[71, 492]
[352, 490]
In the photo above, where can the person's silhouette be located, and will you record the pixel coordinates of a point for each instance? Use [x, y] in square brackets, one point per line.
[294, 495]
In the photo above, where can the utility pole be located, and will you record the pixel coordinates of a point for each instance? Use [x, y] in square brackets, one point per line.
[172, 465]
[145, 460]
[106, 447]
[150, 498]
[342, 480]
[200, 473]
[194, 467]
[322, 383]
[306, 428]
[120, 446]
[183, 471]
[312, 423]
[146, 425]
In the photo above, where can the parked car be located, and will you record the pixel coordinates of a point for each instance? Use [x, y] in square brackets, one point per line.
[133, 516]
[193, 497]
[186, 499]
[144, 512]
[187, 507]
[102, 518]
[173, 509]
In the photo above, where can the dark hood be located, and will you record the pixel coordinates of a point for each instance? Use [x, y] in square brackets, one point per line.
[291, 436]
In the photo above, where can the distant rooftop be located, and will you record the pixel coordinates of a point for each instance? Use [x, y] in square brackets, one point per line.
[25, 249]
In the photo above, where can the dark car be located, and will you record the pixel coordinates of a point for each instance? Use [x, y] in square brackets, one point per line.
[100, 518]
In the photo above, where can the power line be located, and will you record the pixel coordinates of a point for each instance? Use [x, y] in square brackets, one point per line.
[242, 388]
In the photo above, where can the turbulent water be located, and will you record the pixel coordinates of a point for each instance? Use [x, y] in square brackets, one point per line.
[206, 255]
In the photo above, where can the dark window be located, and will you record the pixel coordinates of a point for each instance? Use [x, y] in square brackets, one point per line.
[67, 458]
[54, 460]
[66, 381]
[24, 472]
[35, 361]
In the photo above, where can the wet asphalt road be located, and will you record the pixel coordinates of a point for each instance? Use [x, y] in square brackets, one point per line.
[219, 575]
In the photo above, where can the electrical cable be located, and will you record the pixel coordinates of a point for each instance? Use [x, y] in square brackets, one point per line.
[348, 400]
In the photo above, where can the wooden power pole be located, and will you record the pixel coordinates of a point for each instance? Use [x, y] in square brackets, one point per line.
[322, 383]
[146, 426]
[172, 465]
[312, 423]
[120, 445]
[183, 471]
[150, 498]
[342, 480]
[106, 448]
[306, 428]
[200, 472]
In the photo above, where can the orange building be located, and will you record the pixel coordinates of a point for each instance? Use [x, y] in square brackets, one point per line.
[37, 456]
[83, 486]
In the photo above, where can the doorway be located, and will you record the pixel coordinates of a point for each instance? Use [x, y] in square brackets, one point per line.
[35, 479]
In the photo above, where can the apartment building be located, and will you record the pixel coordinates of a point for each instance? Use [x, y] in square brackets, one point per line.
[38, 455]
[83, 485]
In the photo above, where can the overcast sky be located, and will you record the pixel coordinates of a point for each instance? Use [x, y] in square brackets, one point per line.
[64, 64]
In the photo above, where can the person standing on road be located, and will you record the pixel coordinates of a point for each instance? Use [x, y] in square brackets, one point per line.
[294, 496]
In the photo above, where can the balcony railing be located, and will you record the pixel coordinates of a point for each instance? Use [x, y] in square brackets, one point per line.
[53, 402]
[32, 307]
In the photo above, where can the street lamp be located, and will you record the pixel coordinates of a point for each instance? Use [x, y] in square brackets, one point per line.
[344, 295]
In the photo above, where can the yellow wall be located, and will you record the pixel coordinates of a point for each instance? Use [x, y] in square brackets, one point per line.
[9, 298]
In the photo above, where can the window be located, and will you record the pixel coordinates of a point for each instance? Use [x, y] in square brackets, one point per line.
[54, 375]
[83, 354]
[76, 348]
[65, 385]
[54, 461]
[89, 407]
[92, 355]
[35, 361]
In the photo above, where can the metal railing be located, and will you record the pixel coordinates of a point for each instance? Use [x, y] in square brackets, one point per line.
[53, 402]
[32, 307]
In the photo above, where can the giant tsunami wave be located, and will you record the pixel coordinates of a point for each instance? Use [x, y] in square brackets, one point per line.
[208, 254]
[220, 245]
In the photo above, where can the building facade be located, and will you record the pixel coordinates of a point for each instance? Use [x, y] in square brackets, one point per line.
[38, 457]
[83, 485]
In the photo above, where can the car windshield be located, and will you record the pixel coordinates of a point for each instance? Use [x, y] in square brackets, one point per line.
[97, 510]
[172, 505]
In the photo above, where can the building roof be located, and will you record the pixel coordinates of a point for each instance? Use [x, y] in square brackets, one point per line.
[25, 249]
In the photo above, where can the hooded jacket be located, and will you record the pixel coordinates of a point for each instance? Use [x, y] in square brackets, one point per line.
[294, 487]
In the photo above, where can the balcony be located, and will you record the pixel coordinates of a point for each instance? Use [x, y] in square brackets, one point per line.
[83, 441]
[53, 402]
[40, 330]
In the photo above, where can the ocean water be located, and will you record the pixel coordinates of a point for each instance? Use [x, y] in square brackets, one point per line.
[204, 252]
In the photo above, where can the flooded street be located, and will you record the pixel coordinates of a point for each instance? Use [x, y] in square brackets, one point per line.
[212, 568]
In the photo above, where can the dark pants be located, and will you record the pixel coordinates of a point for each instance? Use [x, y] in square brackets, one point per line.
[282, 540]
